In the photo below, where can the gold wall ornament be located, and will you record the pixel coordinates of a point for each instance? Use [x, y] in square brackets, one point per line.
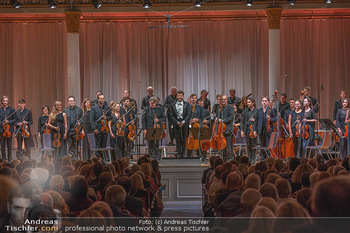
[274, 17]
[73, 21]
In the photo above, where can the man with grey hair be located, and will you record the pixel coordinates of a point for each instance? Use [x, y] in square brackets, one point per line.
[145, 100]
[153, 116]
[115, 198]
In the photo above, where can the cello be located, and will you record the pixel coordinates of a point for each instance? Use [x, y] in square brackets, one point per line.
[205, 143]
[218, 140]
[191, 143]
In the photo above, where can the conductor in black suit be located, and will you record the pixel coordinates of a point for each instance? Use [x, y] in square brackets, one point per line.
[226, 115]
[180, 114]
[153, 115]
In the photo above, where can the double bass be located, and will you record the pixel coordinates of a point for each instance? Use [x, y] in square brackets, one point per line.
[218, 140]
[191, 142]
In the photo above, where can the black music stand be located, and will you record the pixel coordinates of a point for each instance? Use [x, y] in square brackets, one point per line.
[327, 124]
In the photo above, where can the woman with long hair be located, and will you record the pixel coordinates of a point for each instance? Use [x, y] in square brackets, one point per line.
[117, 140]
[293, 120]
[58, 124]
[307, 132]
[342, 119]
[86, 106]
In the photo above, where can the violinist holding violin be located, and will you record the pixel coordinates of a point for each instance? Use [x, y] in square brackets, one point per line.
[153, 117]
[130, 118]
[294, 119]
[116, 127]
[58, 124]
[24, 120]
[7, 121]
[74, 114]
[247, 127]
[86, 107]
[307, 131]
[197, 116]
[99, 117]
[265, 117]
[342, 119]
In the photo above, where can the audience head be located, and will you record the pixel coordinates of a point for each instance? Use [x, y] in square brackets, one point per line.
[284, 188]
[115, 195]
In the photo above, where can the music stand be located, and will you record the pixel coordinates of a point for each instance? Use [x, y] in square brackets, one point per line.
[154, 134]
[328, 124]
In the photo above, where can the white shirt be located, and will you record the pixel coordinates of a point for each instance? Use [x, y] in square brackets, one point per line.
[179, 109]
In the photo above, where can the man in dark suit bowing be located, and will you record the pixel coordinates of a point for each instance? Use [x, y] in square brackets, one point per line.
[262, 117]
[225, 114]
[197, 116]
[153, 115]
[180, 114]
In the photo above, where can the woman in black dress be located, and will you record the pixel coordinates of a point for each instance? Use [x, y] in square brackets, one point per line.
[293, 120]
[43, 122]
[117, 140]
[86, 106]
[58, 124]
[341, 116]
[309, 118]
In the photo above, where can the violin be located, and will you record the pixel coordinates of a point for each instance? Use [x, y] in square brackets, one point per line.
[78, 132]
[120, 131]
[305, 131]
[6, 133]
[346, 131]
[191, 142]
[104, 125]
[132, 131]
[46, 130]
[218, 140]
[57, 139]
[251, 133]
[25, 130]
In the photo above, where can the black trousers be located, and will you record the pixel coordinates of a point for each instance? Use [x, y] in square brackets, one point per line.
[20, 150]
[101, 141]
[264, 138]
[251, 142]
[229, 145]
[181, 134]
[8, 142]
[171, 132]
[73, 145]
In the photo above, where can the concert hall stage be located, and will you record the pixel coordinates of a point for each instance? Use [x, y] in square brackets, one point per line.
[182, 177]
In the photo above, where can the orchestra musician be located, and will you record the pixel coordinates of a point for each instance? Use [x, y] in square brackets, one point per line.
[153, 116]
[204, 94]
[129, 118]
[43, 122]
[233, 99]
[337, 105]
[283, 105]
[271, 106]
[132, 104]
[145, 100]
[309, 118]
[264, 115]
[95, 102]
[58, 124]
[286, 113]
[115, 129]
[87, 129]
[342, 119]
[98, 113]
[206, 121]
[218, 103]
[243, 105]
[293, 119]
[180, 113]
[24, 118]
[74, 114]
[226, 115]
[197, 116]
[168, 101]
[307, 94]
[7, 119]
[248, 119]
